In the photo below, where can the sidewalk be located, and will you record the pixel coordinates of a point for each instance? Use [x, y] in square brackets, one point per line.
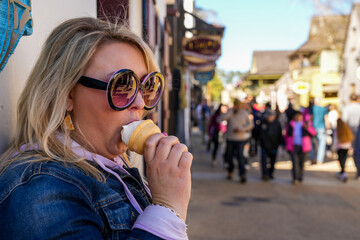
[320, 208]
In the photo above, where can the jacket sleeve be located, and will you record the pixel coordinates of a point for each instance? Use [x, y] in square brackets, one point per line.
[311, 130]
[50, 208]
[212, 124]
[289, 130]
[281, 136]
[261, 134]
[357, 146]
[248, 125]
[225, 116]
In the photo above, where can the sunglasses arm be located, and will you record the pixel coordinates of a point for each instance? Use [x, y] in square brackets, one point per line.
[93, 83]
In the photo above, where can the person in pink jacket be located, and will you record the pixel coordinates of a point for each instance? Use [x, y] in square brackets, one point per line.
[298, 144]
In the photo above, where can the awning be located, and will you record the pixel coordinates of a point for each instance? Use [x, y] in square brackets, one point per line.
[330, 88]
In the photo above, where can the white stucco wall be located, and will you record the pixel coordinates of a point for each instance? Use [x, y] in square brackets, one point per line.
[46, 15]
[162, 8]
[135, 17]
[136, 14]
[351, 53]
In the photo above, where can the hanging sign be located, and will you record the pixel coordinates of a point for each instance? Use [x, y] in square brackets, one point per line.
[204, 77]
[300, 87]
[203, 44]
[202, 48]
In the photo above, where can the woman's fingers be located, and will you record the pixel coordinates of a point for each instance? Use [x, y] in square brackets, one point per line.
[151, 146]
[164, 148]
[185, 161]
[175, 156]
[168, 171]
[167, 153]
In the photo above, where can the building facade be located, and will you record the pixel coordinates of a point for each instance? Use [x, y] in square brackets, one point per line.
[266, 69]
[315, 66]
[350, 75]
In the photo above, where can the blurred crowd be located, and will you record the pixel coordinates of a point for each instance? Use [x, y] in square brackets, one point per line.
[248, 130]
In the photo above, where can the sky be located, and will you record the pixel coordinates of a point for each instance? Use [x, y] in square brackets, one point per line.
[257, 25]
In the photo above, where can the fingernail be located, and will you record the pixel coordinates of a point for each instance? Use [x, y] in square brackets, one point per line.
[165, 134]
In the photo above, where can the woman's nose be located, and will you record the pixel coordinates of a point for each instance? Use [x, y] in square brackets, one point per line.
[138, 103]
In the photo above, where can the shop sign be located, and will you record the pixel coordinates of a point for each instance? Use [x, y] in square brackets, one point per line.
[204, 77]
[201, 49]
[203, 44]
[300, 87]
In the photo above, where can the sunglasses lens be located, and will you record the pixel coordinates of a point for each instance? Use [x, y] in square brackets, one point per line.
[123, 89]
[152, 90]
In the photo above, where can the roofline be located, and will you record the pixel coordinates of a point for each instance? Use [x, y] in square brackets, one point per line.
[263, 76]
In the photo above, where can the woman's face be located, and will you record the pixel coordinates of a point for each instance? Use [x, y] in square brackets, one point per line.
[224, 109]
[92, 115]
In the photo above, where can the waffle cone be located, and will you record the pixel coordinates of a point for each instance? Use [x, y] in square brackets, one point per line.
[141, 134]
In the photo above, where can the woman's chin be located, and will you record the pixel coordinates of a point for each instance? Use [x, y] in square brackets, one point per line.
[122, 148]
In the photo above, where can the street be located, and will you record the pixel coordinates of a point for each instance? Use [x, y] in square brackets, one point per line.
[320, 208]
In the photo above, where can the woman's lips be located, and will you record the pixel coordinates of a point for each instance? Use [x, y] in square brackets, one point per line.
[134, 120]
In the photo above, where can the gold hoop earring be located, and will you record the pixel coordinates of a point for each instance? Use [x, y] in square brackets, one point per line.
[68, 122]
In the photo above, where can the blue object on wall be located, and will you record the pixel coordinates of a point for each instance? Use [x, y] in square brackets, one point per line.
[204, 77]
[15, 21]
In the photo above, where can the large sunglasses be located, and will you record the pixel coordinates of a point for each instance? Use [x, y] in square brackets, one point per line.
[123, 86]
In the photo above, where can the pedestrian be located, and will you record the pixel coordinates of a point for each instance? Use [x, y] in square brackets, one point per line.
[307, 113]
[239, 124]
[254, 139]
[199, 116]
[298, 144]
[193, 114]
[222, 136]
[357, 153]
[213, 132]
[290, 111]
[333, 116]
[203, 115]
[321, 124]
[65, 173]
[351, 115]
[344, 141]
[270, 139]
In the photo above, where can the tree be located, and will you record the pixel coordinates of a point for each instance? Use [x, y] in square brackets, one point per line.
[214, 88]
[229, 77]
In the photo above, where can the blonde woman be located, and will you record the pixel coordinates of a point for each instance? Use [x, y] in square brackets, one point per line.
[239, 123]
[65, 176]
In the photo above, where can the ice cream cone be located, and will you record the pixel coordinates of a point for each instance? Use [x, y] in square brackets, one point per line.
[139, 135]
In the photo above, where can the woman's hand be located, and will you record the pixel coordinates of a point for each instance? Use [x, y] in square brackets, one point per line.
[168, 165]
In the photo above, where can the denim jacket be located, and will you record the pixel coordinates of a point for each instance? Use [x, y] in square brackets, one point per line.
[50, 200]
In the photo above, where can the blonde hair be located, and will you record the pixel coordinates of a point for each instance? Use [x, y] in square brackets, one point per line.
[42, 104]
